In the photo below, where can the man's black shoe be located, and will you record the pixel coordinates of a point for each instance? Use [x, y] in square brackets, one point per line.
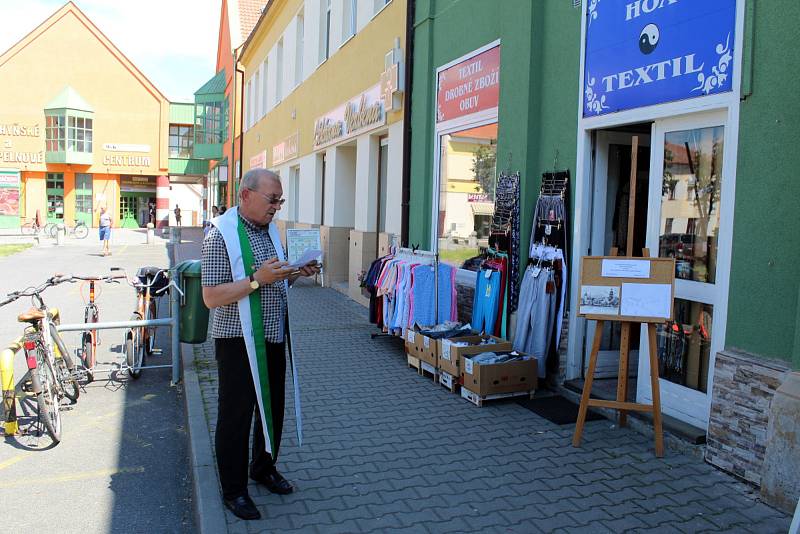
[242, 507]
[276, 483]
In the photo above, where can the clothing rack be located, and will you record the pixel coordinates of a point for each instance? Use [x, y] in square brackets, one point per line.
[423, 257]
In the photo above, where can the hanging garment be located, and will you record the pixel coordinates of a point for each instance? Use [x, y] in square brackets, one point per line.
[486, 300]
[536, 316]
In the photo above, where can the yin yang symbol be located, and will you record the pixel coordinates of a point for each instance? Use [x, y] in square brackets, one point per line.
[648, 39]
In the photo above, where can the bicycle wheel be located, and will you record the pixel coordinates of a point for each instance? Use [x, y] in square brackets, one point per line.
[134, 350]
[65, 367]
[150, 331]
[51, 230]
[47, 399]
[88, 356]
[81, 231]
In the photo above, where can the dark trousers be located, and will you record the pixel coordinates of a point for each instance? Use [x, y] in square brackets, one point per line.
[237, 400]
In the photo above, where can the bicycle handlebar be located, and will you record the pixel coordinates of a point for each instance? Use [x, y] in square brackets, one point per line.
[35, 291]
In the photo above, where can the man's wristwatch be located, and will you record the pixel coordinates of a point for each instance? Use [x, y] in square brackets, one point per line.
[253, 282]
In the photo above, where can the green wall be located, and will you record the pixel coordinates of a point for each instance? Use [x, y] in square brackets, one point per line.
[763, 314]
[539, 64]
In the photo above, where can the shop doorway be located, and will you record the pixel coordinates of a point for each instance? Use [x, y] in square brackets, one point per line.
[609, 230]
[683, 210]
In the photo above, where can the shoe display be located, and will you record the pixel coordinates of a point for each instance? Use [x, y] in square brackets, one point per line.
[275, 483]
[242, 507]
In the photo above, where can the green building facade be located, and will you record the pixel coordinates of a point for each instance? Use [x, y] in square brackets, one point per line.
[715, 185]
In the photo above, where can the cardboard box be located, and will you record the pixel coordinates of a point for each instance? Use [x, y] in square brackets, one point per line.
[507, 377]
[450, 356]
[410, 339]
[428, 350]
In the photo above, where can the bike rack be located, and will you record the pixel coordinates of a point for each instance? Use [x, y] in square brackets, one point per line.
[172, 322]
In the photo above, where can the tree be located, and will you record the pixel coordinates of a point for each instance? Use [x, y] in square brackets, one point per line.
[484, 162]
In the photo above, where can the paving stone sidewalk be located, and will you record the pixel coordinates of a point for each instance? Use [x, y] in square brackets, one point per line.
[387, 450]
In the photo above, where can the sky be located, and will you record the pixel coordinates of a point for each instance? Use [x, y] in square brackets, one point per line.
[176, 49]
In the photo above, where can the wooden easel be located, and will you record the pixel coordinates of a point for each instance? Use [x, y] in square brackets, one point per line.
[621, 404]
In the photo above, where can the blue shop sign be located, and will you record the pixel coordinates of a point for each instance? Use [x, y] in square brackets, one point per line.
[645, 52]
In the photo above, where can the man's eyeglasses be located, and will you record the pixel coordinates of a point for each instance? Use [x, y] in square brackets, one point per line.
[269, 199]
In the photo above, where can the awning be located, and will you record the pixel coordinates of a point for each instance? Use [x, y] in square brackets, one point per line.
[482, 208]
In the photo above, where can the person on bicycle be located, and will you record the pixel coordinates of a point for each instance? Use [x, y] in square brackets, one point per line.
[105, 230]
[250, 295]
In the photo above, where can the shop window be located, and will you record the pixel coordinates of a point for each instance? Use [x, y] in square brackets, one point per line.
[181, 140]
[684, 345]
[467, 172]
[692, 162]
[55, 180]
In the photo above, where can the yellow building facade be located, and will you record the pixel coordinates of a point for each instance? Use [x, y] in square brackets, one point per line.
[81, 128]
[323, 107]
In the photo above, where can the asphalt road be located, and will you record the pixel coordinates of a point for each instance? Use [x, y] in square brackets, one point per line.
[122, 465]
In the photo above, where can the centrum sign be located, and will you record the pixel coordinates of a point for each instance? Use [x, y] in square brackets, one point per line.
[361, 114]
[645, 52]
[470, 86]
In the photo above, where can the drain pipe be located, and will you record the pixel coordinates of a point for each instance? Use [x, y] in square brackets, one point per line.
[409, 69]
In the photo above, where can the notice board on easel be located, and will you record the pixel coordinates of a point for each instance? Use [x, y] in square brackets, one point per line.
[618, 288]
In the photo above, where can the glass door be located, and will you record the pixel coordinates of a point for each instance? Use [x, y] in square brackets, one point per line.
[55, 197]
[689, 221]
[83, 198]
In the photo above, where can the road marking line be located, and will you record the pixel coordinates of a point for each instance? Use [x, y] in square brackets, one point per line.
[101, 473]
[11, 461]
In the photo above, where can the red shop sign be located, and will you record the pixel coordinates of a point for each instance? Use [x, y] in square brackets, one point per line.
[469, 87]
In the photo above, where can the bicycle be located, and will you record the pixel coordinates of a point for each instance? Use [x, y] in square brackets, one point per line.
[51, 368]
[150, 283]
[32, 228]
[80, 230]
[91, 314]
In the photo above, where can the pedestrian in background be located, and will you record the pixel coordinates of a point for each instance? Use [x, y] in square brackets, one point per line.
[105, 230]
[258, 277]
[177, 212]
[214, 211]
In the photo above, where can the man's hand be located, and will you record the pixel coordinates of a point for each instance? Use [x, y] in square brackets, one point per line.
[272, 271]
[311, 269]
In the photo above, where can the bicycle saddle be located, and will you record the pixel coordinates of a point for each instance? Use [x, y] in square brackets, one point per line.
[148, 271]
[31, 316]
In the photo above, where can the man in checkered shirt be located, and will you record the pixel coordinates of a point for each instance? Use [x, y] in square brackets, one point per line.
[259, 200]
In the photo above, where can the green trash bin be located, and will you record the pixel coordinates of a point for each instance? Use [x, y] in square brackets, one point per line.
[193, 311]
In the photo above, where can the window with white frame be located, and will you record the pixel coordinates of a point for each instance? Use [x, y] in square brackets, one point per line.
[248, 105]
[257, 105]
[378, 5]
[324, 29]
[349, 19]
[265, 85]
[298, 49]
[279, 72]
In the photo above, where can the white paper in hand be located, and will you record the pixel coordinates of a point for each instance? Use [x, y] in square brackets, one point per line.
[308, 256]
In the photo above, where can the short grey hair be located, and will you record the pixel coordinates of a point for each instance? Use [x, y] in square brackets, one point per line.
[253, 177]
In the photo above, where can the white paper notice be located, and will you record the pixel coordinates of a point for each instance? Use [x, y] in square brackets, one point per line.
[646, 300]
[307, 257]
[626, 269]
[446, 344]
[468, 366]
